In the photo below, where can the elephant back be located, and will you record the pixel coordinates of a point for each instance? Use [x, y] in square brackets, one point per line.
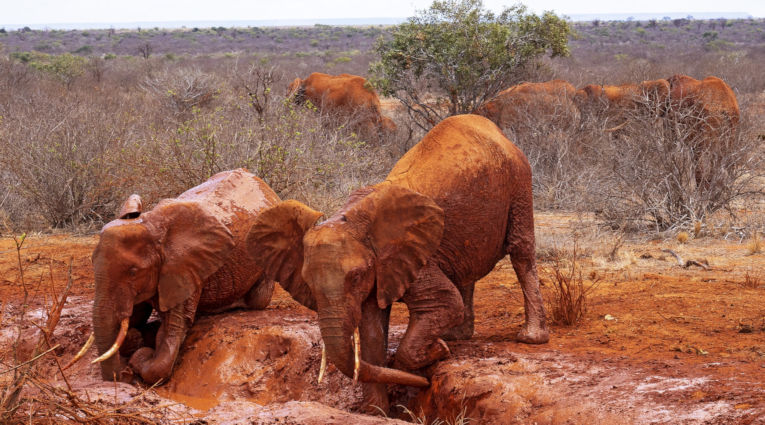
[235, 197]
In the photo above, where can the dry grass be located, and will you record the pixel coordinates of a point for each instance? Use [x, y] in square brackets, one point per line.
[755, 244]
[567, 302]
[751, 281]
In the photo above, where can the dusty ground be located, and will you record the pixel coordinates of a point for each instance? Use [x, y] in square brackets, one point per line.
[660, 343]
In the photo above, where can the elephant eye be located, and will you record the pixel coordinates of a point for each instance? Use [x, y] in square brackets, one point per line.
[343, 218]
[133, 271]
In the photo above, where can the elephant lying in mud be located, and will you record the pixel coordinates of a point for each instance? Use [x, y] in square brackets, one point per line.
[451, 208]
[185, 256]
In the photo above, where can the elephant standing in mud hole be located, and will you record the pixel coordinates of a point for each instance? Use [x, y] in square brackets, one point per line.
[451, 208]
[185, 256]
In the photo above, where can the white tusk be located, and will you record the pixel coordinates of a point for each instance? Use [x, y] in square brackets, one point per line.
[120, 339]
[82, 351]
[356, 355]
[323, 367]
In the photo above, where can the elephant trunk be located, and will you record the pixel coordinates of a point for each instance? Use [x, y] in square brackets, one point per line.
[340, 351]
[106, 328]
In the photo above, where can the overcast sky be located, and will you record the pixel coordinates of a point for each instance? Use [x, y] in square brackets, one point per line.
[36, 12]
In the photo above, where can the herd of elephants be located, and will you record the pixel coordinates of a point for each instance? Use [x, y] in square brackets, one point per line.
[453, 206]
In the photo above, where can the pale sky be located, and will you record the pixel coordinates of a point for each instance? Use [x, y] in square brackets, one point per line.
[37, 12]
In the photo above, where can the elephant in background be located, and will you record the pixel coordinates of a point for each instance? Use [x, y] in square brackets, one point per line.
[345, 94]
[710, 102]
[451, 208]
[529, 104]
[185, 256]
[617, 105]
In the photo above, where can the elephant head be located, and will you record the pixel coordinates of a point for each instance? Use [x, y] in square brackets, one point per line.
[295, 89]
[373, 247]
[162, 256]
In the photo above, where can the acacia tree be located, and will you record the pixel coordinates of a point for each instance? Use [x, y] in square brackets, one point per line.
[450, 58]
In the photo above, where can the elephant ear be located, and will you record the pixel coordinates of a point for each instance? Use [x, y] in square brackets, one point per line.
[131, 208]
[275, 242]
[405, 231]
[194, 244]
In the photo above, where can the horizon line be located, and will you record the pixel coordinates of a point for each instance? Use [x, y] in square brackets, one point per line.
[287, 22]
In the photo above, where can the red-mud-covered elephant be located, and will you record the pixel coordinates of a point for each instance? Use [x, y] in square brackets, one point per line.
[710, 102]
[526, 104]
[451, 208]
[344, 94]
[618, 104]
[185, 256]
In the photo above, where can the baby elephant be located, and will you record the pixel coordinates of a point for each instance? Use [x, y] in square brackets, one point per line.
[185, 256]
[451, 208]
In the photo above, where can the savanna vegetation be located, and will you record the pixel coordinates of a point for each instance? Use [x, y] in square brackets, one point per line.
[82, 129]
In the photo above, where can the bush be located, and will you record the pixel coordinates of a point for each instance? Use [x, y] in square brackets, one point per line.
[568, 301]
[450, 58]
[666, 173]
[182, 89]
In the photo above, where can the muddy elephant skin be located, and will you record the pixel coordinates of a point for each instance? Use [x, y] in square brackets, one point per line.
[550, 102]
[344, 94]
[185, 256]
[451, 208]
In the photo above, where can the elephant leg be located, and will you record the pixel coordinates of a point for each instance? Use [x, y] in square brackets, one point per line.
[435, 305]
[259, 295]
[373, 331]
[157, 364]
[521, 247]
[465, 329]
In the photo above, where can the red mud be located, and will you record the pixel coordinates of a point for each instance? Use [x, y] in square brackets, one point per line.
[660, 344]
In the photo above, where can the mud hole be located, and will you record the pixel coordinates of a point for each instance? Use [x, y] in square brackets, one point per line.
[660, 344]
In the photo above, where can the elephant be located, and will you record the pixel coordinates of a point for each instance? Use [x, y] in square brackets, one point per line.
[616, 105]
[708, 114]
[185, 256]
[345, 94]
[451, 208]
[526, 104]
[710, 102]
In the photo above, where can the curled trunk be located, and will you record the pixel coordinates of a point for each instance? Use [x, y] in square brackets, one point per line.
[340, 352]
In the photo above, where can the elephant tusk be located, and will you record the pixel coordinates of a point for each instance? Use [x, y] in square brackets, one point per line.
[356, 355]
[323, 367]
[82, 351]
[120, 339]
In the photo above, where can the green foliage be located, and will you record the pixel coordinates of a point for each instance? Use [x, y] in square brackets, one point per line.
[65, 68]
[84, 50]
[464, 54]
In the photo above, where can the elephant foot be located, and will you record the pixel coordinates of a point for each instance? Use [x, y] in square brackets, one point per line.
[461, 332]
[375, 399]
[405, 360]
[126, 375]
[533, 334]
[146, 366]
[438, 351]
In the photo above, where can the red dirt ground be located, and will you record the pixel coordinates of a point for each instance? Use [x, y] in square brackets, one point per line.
[660, 343]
